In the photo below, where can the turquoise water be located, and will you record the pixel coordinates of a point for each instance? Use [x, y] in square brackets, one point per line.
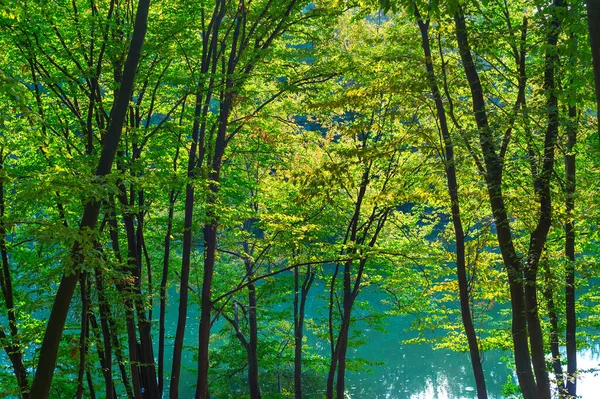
[410, 371]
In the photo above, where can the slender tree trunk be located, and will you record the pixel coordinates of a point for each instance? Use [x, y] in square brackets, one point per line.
[210, 238]
[554, 333]
[165, 271]
[298, 336]
[202, 104]
[253, 341]
[104, 363]
[338, 356]
[11, 345]
[210, 248]
[109, 330]
[449, 165]
[49, 349]
[132, 290]
[300, 295]
[106, 336]
[163, 294]
[593, 15]
[186, 253]
[342, 343]
[538, 236]
[571, 315]
[124, 286]
[212, 223]
[84, 332]
[494, 183]
[92, 391]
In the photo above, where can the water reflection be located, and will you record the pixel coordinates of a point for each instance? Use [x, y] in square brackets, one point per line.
[419, 372]
[409, 371]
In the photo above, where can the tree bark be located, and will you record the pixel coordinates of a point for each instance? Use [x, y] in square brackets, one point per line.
[493, 178]
[163, 294]
[593, 15]
[212, 218]
[300, 295]
[571, 315]
[253, 342]
[185, 263]
[84, 332]
[106, 367]
[52, 337]
[202, 103]
[542, 184]
[554, 333]
[13, 344]
[459, 236]
[210, 247]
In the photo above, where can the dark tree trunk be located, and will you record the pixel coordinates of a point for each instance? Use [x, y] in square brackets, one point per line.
[12, 345]
[212, 218]
[210, 248]
[163, 294]
[105, 366]
[300, 295]
[109, 329]
[84, 332]
[202, 103]
[494, 183]
[49, 349]
[185, 262]
[342, 343]
[132, 290]
[124, 286]
[210, 238]
[571, 315]
[542, 183]
[449, 165]
[554, 333]
[165, 271]
[106, 336]
[253, 342]
[339, 350]
[593, 14]
[92, 391]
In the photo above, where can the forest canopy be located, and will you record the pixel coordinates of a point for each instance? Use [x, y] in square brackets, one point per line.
[224, 198]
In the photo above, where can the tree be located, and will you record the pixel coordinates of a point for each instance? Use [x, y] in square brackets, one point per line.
[48, 352]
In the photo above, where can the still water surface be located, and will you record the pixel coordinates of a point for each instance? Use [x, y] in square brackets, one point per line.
[413, 371]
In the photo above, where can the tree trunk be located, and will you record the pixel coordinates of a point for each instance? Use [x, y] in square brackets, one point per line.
[571, 315]
[342, 343]
[252, 342]
[542, 184]
[210, 248]
[593, 14]
[494, 183]
[202, 103]
[163, 295]
[52, 337]
[186, 255]
[554, 340]
[300, 295]
[212, 218]
[449, 165]
[105, 365]
[84, 332]
[145, 353]
[12, 345]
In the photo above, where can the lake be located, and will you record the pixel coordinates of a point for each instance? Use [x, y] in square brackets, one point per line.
[410, 371]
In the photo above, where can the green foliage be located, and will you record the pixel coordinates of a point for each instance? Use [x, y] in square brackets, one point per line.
[337, 104]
